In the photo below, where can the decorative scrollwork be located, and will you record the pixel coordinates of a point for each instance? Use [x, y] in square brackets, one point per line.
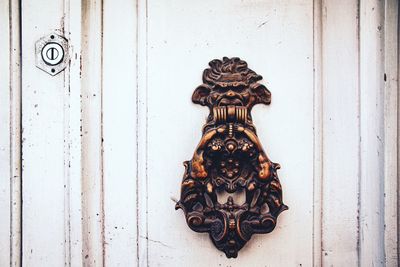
[230, 158]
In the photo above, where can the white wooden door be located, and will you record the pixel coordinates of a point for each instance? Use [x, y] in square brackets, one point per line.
[91, 158]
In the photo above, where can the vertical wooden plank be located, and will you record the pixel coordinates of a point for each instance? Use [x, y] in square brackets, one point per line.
[43, 125]
[391, 127]
[142, 238]
[119, 132]
[277, 42]
[5, 131]
[15, 135]
[92, 134]
[372, 133]
[317, 133]
[67, 145]
[340, 133]
[73, 202]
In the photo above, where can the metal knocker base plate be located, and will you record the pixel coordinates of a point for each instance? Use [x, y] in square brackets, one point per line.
[229, 158]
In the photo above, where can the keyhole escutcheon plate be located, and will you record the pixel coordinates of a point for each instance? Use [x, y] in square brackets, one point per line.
[52, 53]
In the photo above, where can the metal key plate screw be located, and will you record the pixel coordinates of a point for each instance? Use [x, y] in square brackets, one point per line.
[52, 53]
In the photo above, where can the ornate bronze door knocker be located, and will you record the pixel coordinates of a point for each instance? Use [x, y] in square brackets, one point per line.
[230, 158]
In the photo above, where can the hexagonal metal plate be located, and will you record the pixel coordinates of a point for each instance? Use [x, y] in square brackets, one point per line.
[51, 53]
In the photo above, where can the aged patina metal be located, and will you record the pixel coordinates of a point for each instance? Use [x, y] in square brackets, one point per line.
[230, 158]
[51, 53]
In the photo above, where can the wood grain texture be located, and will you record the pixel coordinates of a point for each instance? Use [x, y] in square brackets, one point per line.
[15, 135]
[317, 133]
[5, 133]
[98, 171]
[391, 132]
[340, 115]
[119, 132]
[142, 237]
[73, 144]
[43, 143]
[371, 243]
[93, 245]
[276, 40]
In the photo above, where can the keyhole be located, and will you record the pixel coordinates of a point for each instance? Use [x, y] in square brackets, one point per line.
[52, 53]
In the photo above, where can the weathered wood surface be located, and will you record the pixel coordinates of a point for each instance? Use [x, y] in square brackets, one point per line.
[103, 142]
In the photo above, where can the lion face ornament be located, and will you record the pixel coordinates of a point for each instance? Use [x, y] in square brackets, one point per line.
[229, 158]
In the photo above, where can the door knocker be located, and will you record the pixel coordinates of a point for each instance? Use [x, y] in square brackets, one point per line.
[230, 158]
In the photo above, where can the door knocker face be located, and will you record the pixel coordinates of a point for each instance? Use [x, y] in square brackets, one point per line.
[230, 158]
